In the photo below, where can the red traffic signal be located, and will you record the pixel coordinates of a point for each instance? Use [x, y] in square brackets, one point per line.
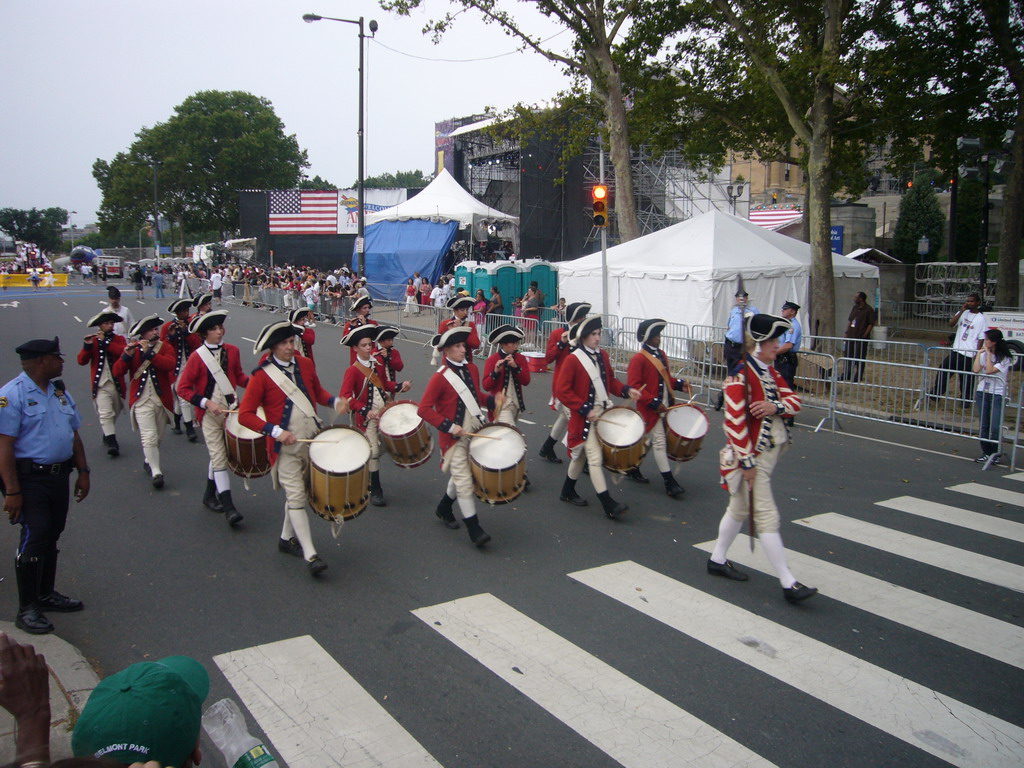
[599, 196]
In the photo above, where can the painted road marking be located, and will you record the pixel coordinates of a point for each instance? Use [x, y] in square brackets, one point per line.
[999, 495]
[314, 713]
[927, 719]
[631, 723]
[993, 526]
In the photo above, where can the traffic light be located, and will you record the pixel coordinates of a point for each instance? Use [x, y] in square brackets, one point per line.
[599, 195]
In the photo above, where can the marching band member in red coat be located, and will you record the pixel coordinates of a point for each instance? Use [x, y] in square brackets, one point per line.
[460, 307]
[210, 381]
[648, 373]
[367, 390]
[303, 319]
[558, 349]
[583, 372]
[175, 332]
[756, 398]
[100, 351]
[506, 372]
[455, 403]
[387, 354]
[288, 420]
[361, 316]
[149, 363]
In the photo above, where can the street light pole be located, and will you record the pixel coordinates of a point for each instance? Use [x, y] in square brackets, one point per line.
[309, 18]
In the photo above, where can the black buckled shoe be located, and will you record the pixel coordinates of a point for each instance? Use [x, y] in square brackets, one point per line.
[477, 535]
[113, 449]
[158, 481]
[672, 488]
[315, 565]
[289, 546]
[798, 593]
[55, 601]
[32, 621]
[376, 492]
[637, 476]
[569, 494]
[232, 515]
[612, 508]
[547, 452]
[190, 432]
[444, 513]
[176, 429]
[210, 500]
[726, 570]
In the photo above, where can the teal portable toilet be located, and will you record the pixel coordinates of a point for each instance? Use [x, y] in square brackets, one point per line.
[506, 277]
[546, 275]
[464, 276]
[483, 279]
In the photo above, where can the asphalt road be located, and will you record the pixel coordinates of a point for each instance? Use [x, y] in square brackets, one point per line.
[161, 575]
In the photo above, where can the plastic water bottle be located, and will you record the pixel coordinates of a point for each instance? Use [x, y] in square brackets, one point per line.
[225, 725]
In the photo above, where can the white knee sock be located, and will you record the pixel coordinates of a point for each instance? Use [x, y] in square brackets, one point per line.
[209, 471]
[728, 529]
[152, 454]
[450, 490]
[467, 507]
[776, 554]
[287, 530]
[223, 480]
[300, 522]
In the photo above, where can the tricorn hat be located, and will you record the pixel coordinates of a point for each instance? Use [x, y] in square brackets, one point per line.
[179, 304]
[202, 298]
[451, 336]
[356, 335]
[272, 334]
[362, 302]
[103, 317]
[764, 327]
[145, 324]
[576, 311]
[202, 323]
[505, 333]
[648, 329]
[460, 302]
[386, 332]
[296, 315]
[581, 330]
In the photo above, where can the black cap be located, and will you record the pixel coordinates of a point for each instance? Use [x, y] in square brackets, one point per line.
[113, 292]
[39, 347]
[791, 305]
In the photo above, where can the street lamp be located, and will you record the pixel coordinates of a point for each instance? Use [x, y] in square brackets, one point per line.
[71, 226]
[735, 192]
[309, 18]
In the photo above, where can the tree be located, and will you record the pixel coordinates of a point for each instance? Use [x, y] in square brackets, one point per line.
[399, 180]
[316, 183]
[596, 50]
[215, 143]
[920, 216]
[34, 226]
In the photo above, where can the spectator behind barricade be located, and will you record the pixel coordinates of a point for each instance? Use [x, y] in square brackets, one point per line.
[970, 324]
[559, 310]
[858, 331]
[150, 711]
[480, 312]
[437, 295]
[495, 307]
[992, 363]
[411, 305]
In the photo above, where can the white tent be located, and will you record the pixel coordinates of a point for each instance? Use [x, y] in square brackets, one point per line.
[443, 200]
[688, 273]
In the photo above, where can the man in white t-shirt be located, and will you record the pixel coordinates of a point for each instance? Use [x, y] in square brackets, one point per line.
[217, 283]
[970, 324]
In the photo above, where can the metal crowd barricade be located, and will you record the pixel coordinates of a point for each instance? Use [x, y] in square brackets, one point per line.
[924, 316]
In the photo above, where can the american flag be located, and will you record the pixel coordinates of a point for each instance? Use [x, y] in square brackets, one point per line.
[298, 212]
[774, 218]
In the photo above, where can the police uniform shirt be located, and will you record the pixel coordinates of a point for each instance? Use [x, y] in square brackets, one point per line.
[736, 315]
[42, 423]
[793, 336]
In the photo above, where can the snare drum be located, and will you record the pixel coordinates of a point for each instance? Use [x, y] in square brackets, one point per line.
[248, 455]
[405, 434]
[339, 473]
[685, 427]
[535, 362]
[498, 466]
[621, 434]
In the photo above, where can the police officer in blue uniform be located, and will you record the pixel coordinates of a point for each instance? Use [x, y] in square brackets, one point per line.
[39, 447]
[734, 341]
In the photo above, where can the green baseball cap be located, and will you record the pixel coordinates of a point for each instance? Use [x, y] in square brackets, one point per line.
[150, 711]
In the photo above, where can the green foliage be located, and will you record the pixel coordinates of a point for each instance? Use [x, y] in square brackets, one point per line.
[316, 183]
[919, 216]
[398, 180]
[215, 143]
[970, 199]
[34, 226]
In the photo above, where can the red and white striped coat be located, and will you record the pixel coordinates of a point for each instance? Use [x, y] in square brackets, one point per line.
[742, 429]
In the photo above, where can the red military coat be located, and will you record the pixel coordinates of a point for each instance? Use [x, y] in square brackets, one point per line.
[644, 376]
[89, 355]
[391, 359]
[356, 388]
[472, 343]
[349, 325]
[557, 351]
[305, 343]
[440, 405]
[495, 379]
[161, 367]
[195, 381]
[575, 391]
[262, 390]
[183, 342]
[742, 429]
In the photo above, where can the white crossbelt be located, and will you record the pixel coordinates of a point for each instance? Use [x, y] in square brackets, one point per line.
[220, 378]
[600, 393]
[292, 391]
[464, 394]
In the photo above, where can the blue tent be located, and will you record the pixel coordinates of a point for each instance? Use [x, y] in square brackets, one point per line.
[397, 249]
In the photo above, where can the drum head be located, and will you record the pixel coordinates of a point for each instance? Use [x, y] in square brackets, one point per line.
[340, 450]
[620, 427]
[232, 425]
[498, 454]
[400, 418]
[687, 421]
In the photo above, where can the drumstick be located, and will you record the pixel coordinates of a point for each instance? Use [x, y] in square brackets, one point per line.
[311, 440]
[477, 434]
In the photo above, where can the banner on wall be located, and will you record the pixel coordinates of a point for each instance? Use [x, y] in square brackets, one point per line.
[376, 200]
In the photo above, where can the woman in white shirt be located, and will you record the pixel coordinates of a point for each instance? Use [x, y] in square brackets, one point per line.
[993, 363]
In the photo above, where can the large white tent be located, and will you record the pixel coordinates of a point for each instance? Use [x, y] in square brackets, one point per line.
[443, 199]
[688, 273]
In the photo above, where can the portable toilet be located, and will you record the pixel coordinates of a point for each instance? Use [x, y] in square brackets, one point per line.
[546, 275]
[464, 276]
[505, 275]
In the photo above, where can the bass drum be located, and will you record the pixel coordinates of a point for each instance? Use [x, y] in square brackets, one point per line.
[497, 461]
[621, 434]
[248, 455]
[339, 473]
[685, 428]
[405, 434]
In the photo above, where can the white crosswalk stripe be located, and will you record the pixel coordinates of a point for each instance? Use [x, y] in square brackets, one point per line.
[991, 493]
[632, 724]
[944, 513]
[925, 718]
[960, 561]
[314, 713]
[968, 629]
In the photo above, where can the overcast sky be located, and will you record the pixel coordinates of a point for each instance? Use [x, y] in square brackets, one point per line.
[80, 78]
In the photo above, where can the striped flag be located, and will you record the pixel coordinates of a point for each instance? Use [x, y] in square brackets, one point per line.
[300, 212]
[774, 218]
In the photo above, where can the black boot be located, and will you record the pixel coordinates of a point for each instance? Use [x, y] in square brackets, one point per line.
[190, 432]
[637, 476]
[672, 488]
[28, 571]
[210, 500]
[49, 598]
[612, 508]
[477, 535]
[376, 492]
[444, 512]
[547, 451]
[113, 449]
[176, 429]
[569, 494]
[232, 515]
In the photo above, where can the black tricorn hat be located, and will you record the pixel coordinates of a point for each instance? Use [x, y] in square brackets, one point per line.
[650, 328]
[362, 302]
[356, 335]
[581, 330]
[179, 304]
[505, 333]
[451, 336]
[577, 311]
[202, 298]
[145, 324]
[764, 327]
[202, 323]
[104, 317]
[460, 302]
[272, 334]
